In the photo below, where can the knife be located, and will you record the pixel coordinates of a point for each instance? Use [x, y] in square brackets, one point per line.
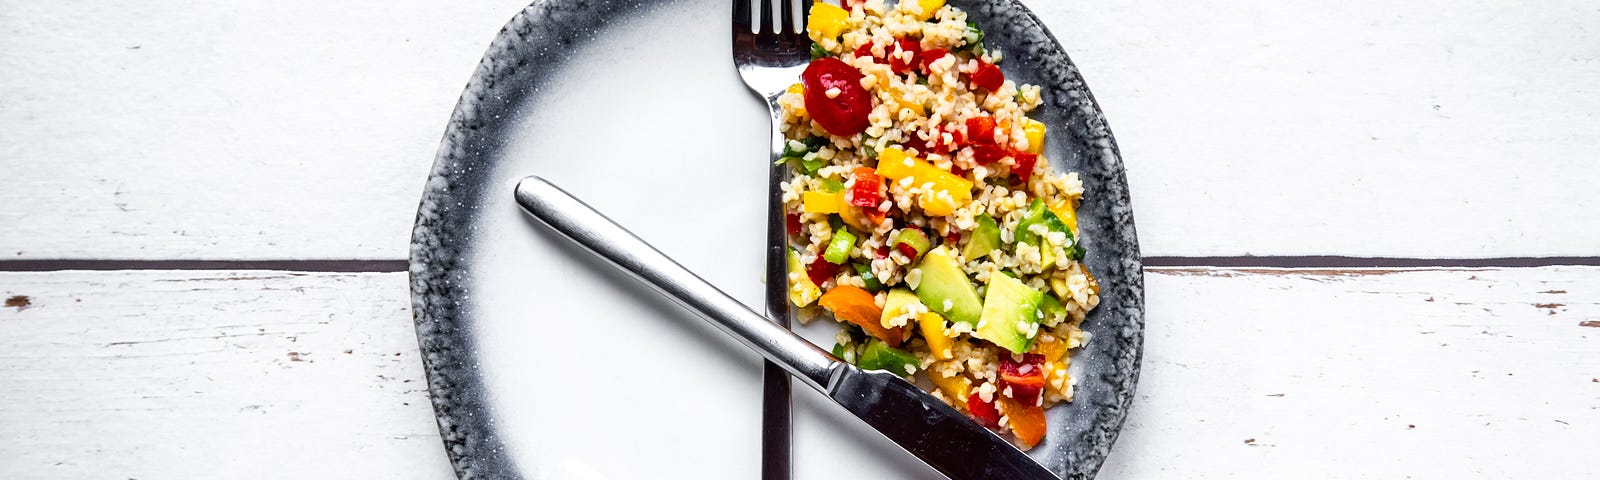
[919, 423]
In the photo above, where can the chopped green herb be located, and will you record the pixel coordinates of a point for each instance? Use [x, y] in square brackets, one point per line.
[814, 143]
[794, 148]
[817, 51]
[871, 152]
[973, 39]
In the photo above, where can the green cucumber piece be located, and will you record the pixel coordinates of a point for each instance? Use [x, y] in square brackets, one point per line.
[881, 356]
[839, 248]
[913, 238]
[868, 281]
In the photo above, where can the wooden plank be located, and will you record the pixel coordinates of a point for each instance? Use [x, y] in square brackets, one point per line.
[260, 130]
[304, 129]
[1410, 128]
[1430, 374]
[1458, 374]
[213, 375]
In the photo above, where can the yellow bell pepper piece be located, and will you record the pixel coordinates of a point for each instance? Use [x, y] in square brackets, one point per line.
[929, 7]
[904, 99]
[1034, 130]
[1066, 213]
[802, 291]
[956, 387]
[932, 325]
[822, 202]
[826, 21]
[798, 89]
[949, 191]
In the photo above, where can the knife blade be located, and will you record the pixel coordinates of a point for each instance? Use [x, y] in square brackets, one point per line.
[919, 423]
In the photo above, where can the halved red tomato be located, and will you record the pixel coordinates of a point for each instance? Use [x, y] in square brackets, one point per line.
[844, 112]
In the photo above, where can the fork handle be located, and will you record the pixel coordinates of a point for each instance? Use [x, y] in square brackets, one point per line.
[777, 419]
[578, 221]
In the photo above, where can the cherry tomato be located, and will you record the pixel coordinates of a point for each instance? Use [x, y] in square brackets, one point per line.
[897, 62]
[867, 191]
[845, 114]
[988, 76]
[985, 412]
[930, 56]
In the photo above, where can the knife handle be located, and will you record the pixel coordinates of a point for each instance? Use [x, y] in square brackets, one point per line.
[578, 221]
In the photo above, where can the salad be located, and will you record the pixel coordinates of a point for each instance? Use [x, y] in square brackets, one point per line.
[924, 218]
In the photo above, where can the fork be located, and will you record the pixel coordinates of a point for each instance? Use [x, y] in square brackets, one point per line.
[770, 52]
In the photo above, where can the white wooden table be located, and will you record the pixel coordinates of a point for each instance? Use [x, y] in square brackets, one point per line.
[205, 210]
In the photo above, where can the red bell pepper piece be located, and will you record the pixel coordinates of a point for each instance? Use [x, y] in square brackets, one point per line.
[865, 51]
[867, 191]
[985, 412]
[987, 153]
[897, 62]
[930, 56]
[792, 221]
[988, 76]
[820, 270]
[1025, 161]
[980, 129]
[1025, 379]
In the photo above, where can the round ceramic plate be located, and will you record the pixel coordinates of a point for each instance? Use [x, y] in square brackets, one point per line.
[546, 364]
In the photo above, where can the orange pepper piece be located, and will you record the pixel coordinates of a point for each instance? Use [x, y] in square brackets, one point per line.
[855, 305]
[1027, 421]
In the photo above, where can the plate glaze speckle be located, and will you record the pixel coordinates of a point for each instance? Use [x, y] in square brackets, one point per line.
[543, 363]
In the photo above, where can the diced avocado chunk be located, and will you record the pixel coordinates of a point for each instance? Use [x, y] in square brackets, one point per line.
[945, 289]
[985, 238]
[1051, 311]
[802, 291]
[881, 356]
[1039, 215]
[1010, 313]
[894, 304]
[1035, 215]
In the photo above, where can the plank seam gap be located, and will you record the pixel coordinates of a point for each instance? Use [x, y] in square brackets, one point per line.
[1336, 261]
[400, 265]
[331, 266]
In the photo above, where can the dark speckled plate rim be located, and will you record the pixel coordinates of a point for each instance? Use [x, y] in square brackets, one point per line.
[441, 240]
